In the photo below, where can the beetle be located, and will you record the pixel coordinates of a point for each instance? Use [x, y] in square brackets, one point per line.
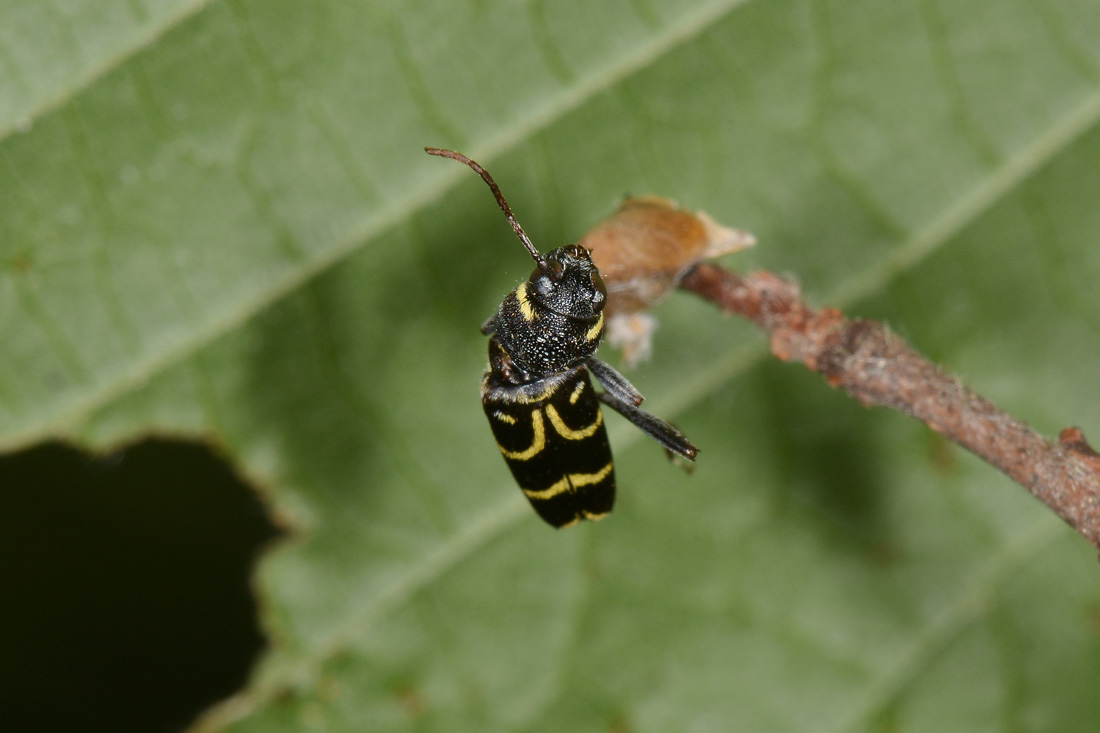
[538, 395]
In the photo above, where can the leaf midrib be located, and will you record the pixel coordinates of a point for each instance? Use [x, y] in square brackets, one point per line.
[111, 62]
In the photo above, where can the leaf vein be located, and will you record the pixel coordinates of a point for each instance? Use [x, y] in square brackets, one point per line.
[937, 32]
[817, 139]
[92, 74]
[970, 605]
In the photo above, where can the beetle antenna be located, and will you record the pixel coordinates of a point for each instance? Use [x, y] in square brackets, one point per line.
[539, 259]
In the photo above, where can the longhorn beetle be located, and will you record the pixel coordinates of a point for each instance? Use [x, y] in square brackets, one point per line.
[541, 406]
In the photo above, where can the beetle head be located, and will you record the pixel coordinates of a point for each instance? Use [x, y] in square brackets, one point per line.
[569, 284]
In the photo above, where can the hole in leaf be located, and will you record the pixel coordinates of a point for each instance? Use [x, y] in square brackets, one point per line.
[125, 596]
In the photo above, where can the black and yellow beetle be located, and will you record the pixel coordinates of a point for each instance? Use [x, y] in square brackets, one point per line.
[537, 395]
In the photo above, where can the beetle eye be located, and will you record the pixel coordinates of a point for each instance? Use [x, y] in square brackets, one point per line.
[599, 290]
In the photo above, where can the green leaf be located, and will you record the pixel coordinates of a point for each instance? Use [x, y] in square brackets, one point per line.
[218, 221]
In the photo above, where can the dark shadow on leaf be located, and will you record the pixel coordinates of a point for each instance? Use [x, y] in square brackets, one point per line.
[126, 601]
[830, 457]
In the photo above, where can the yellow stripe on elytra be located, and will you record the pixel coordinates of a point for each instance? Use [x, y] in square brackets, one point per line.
[504, 417]
[537, 443]
[522, 396]
[585, 515]
[571, 481]
[564, 430]
[577, 392]
[525, 309]
[594, 332]
[527, 394]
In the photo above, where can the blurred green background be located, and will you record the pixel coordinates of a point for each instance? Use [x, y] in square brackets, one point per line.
[217, 224]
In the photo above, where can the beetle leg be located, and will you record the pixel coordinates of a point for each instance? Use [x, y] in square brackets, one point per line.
[651, 425]
[614, 382]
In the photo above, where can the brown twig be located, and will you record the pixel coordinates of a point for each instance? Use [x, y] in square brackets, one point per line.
[878, 368]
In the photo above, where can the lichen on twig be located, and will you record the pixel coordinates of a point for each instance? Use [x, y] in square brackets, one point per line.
[877, 367]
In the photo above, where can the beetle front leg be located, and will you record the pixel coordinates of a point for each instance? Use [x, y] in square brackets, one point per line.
[490, 326]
